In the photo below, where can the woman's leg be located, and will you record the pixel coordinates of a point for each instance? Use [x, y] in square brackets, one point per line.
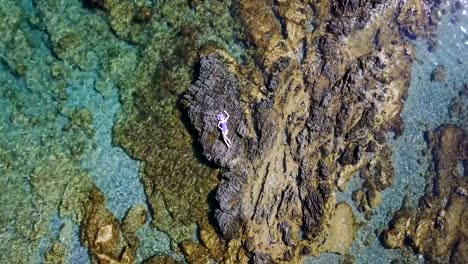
[226, 139]
[225, 135]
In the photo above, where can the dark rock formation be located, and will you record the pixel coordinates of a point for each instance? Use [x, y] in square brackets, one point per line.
[314, 111]
[347, 16]
[439, 74]
[217, 90]
[313, 211]
[100, 4]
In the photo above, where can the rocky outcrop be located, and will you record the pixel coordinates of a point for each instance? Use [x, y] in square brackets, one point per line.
[309, 108]
[108, 240]
[217, 90]
[317, 118]
[438, 228]
[439, 74]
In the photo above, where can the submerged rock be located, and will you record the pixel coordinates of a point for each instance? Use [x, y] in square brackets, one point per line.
[438, 228]
[439, 74]
[108, 240]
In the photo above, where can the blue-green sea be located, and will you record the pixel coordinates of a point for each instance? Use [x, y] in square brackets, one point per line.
[67, 76]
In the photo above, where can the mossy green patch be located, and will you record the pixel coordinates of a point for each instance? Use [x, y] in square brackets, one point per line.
[150, 126]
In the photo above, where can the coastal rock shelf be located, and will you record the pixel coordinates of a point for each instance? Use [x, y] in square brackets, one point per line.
[310, 112]
[348, 122]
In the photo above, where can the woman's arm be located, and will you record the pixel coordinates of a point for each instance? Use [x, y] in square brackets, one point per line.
[227, 115]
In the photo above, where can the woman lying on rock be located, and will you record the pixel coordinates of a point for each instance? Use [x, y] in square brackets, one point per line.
[222, 124]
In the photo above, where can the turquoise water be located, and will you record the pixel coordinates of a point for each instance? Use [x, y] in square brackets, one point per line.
[64, 72]
[59, 101]
[42, 88]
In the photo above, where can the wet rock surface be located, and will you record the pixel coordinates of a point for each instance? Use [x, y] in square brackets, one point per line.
[437, 228]
[318, 117]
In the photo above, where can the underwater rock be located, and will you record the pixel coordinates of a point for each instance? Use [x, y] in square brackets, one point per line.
[439, 74]
[437, 228]
[80, 119]
[133, 221]
[343, 220]
[143, 15]
[108, 240]
[102, 234]
[458, 107]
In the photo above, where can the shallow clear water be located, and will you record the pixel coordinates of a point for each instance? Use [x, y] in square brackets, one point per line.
[37, 111]
[45, 94]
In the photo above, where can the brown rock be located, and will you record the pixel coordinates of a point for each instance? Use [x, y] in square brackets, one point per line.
[439, 74]
[102, 233]
[375, 198]
[439, 227]
[307, 116]
[342, 230]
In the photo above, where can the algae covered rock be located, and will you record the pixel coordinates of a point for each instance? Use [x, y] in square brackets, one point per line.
[437, 228]
[439, 74]
[108, 240]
